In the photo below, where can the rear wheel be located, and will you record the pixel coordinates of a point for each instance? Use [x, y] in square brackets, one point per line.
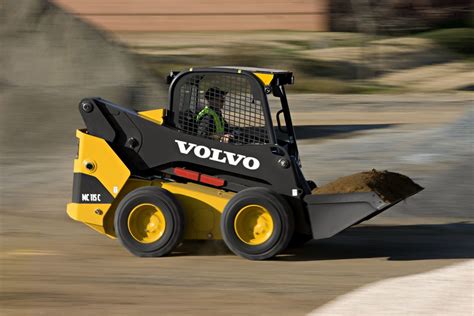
[149, 222]
[257, 224]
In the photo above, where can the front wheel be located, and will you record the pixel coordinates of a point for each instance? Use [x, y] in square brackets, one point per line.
[149, 222]
[257, 224]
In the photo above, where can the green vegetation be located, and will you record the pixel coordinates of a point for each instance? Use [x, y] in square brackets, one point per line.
[459, 40]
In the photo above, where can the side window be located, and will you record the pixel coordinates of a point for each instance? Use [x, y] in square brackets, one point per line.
[220, 106]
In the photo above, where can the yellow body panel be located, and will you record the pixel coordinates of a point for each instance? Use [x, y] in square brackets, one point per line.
[155, 116]
[108, 168]
[202, 207]
[89, 213]
[265, 78]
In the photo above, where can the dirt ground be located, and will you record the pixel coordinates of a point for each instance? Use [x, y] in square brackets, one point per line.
[50, 264]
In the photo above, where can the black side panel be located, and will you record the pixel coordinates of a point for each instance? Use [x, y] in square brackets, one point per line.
[110, 122]
[88, 189]
[114, 124]
[331, 213]
[161, 146]
[96, 120]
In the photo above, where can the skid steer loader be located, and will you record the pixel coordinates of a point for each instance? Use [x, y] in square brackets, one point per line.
[211, 165]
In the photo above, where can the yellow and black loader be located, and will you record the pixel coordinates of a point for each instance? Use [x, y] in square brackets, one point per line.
[211, 165]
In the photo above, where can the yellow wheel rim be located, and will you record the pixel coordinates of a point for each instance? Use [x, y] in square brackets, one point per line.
[146, 223]
[253, 224]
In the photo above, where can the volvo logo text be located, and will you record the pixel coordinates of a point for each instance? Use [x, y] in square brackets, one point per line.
[217, 155]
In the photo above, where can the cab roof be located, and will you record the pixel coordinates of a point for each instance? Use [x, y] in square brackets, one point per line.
[256, 69]
[269, 77]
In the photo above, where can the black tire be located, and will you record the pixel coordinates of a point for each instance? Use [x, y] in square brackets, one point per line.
[281, 215]
[171, 211]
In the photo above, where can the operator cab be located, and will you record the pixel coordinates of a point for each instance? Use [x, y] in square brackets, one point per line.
[247, 117]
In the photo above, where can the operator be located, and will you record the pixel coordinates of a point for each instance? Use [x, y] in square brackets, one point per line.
[211, 124]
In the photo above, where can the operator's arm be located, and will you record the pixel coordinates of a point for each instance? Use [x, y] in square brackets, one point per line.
[227, 128]
[206, 128]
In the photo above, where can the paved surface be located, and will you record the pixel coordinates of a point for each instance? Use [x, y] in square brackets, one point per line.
[446, 291]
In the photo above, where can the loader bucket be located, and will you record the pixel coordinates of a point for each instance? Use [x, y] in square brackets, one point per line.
[356, 198]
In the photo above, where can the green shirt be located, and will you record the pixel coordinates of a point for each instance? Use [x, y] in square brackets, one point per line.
[217, 118]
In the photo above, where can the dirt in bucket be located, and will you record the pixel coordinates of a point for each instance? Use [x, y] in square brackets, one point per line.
[390, 186]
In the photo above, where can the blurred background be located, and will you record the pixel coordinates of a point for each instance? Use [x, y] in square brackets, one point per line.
[378, 84]
[359, 46]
